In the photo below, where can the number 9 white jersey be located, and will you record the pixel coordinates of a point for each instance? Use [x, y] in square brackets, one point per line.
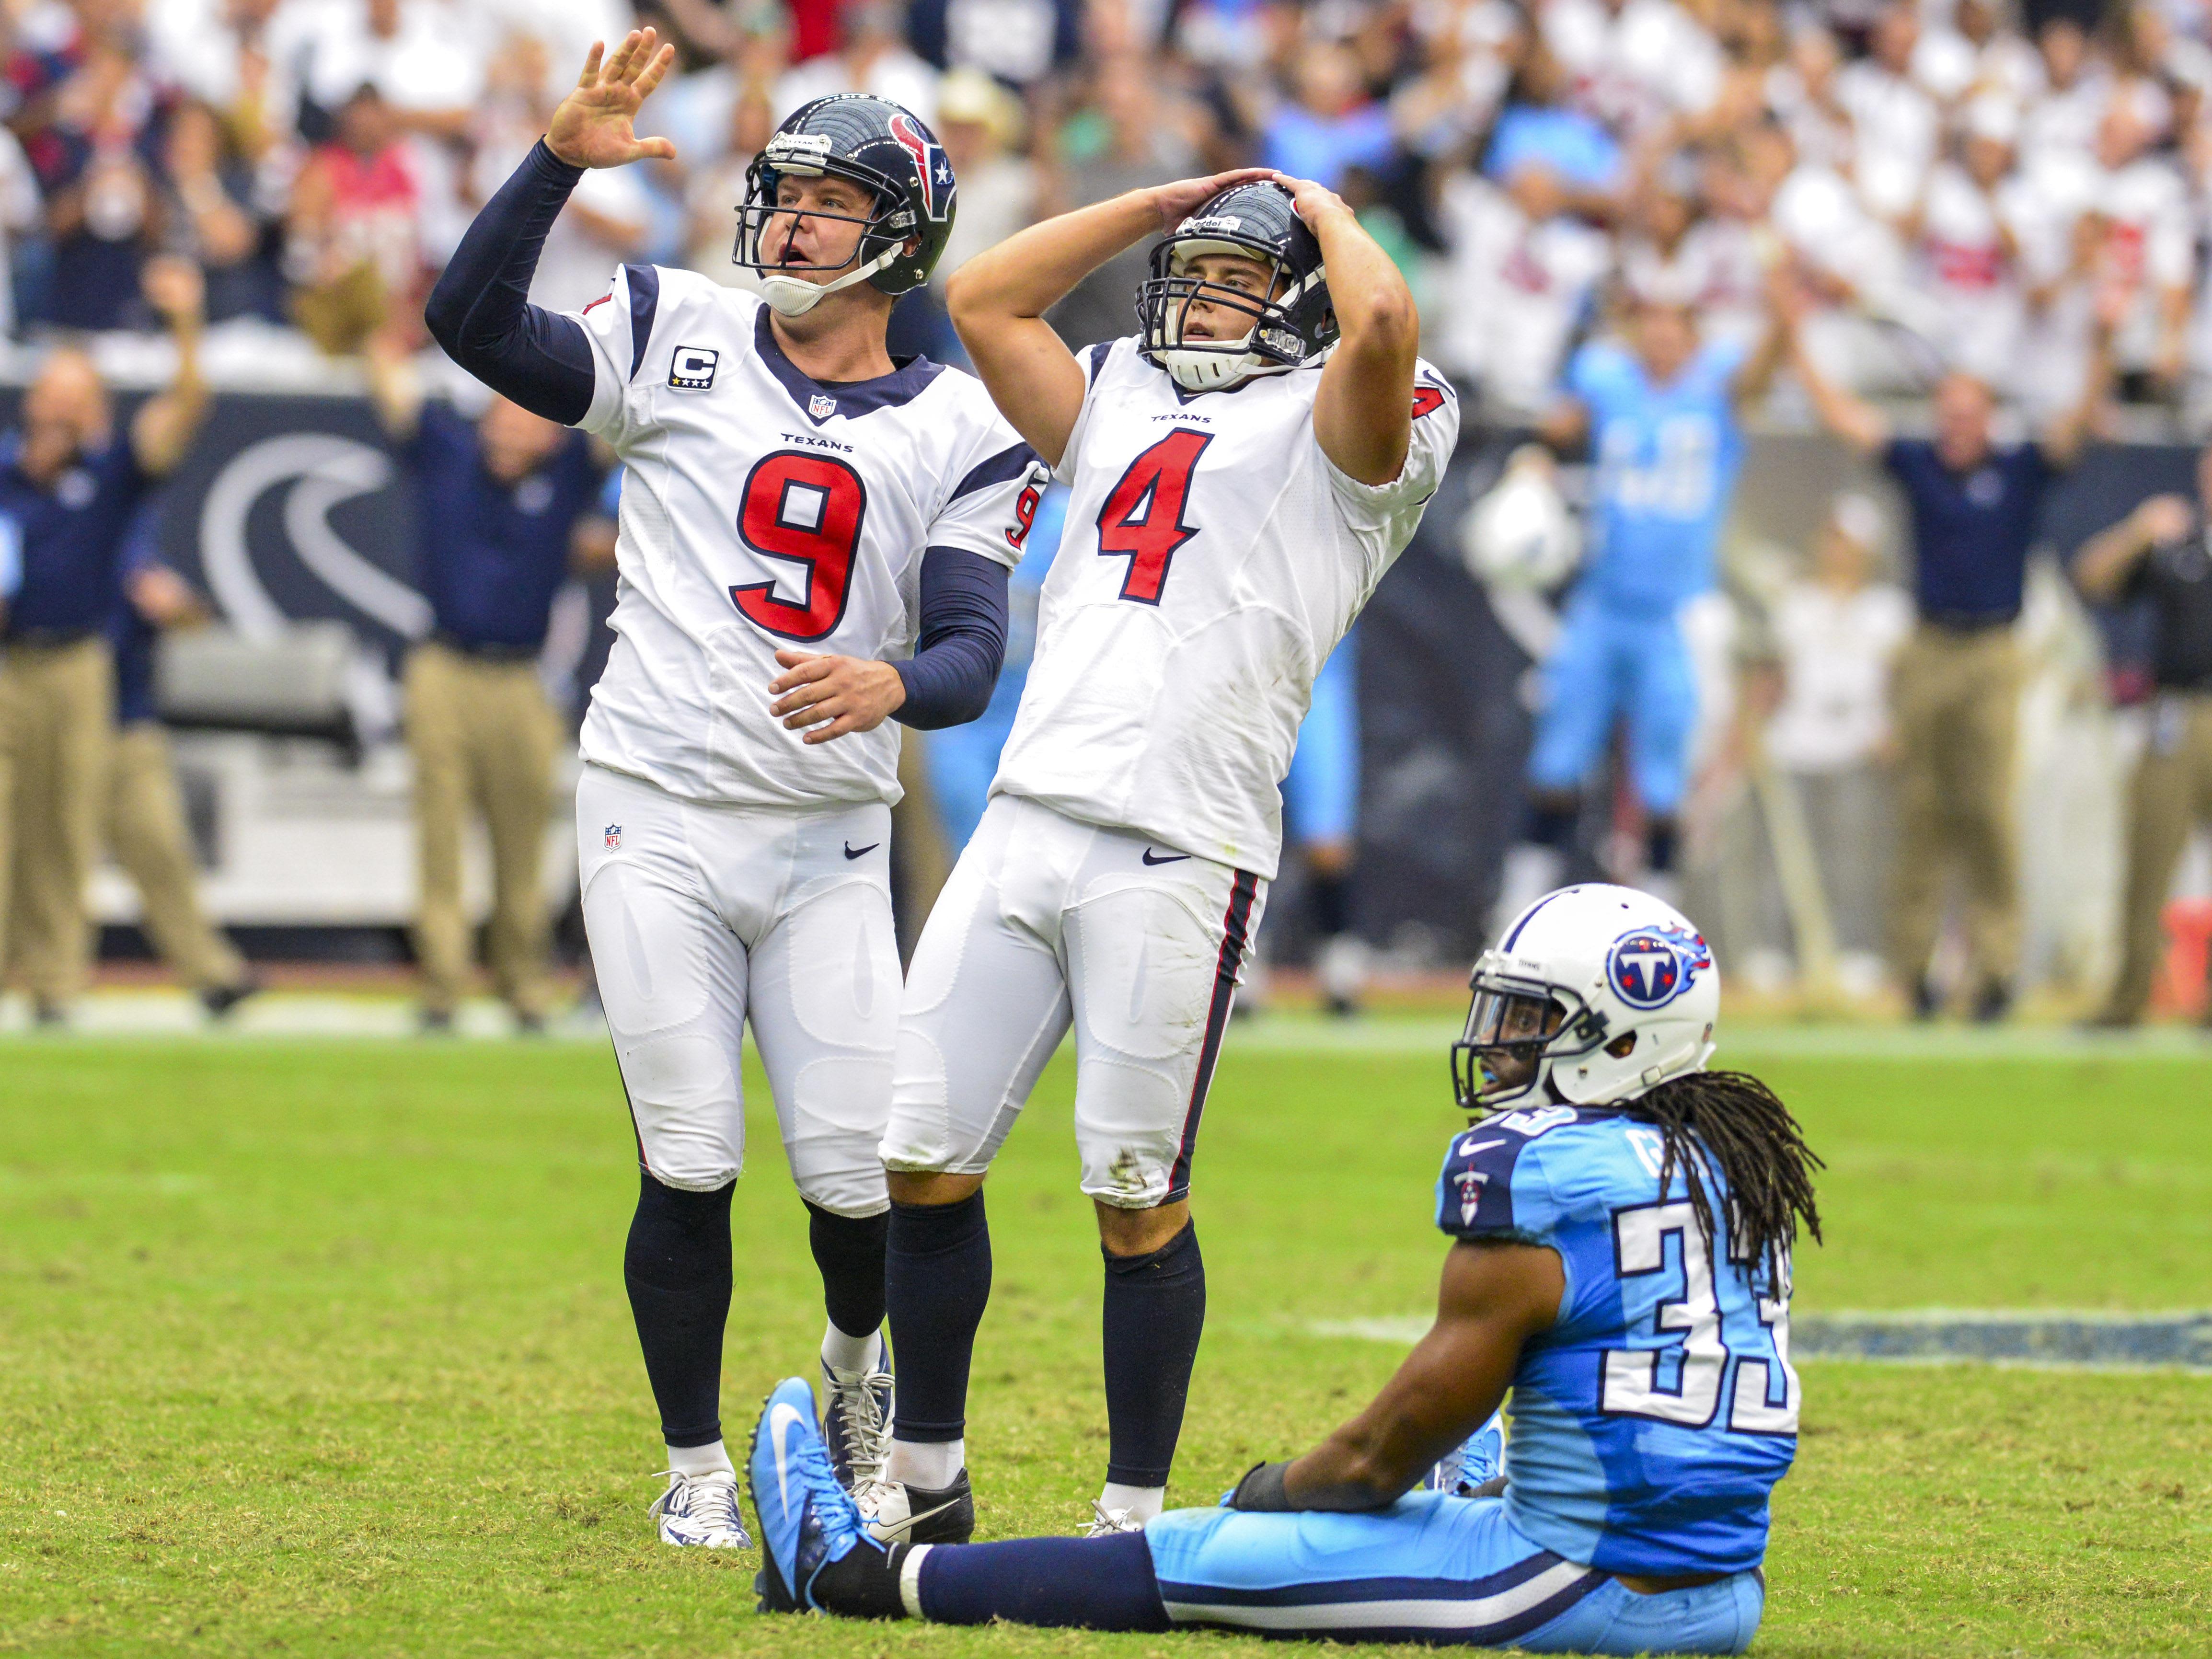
[1212, 559]
[765, 511]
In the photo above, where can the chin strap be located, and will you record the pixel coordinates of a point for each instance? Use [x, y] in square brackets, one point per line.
[795, 296]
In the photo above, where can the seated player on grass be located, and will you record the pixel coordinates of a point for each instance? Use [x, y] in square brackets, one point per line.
[1621, 1222]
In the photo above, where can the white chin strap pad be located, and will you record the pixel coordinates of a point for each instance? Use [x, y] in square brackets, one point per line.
[795, 296]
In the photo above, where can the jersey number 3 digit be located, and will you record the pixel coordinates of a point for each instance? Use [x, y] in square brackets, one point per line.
[807, 509]
[1142, 519]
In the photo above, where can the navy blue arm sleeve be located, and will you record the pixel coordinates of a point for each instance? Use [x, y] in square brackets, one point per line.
[954, 666]
[480, 311]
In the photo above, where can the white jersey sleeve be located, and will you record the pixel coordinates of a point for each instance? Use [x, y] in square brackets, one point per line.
[620, 326]
[994, 498]
[1383, 516]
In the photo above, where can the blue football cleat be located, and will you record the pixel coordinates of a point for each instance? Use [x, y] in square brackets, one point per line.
[807, 1521]
[1477, 1460]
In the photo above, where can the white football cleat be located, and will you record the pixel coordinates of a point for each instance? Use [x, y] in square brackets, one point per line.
[1105, 1522]
[701, 1511]
[897, 1513]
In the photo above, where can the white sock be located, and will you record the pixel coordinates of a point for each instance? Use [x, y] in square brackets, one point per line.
[841, 1352]
[711, 1459]
[1143, 1503]
[932, 1465]
[910, 1580]
[1531, 870]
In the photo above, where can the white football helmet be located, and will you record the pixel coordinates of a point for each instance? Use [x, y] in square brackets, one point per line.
[1595, 995]
[1521, 533]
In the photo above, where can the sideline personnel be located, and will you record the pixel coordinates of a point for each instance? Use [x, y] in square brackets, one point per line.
[497, 501]
[69, 490]
[1955, 695]
[2160, 552]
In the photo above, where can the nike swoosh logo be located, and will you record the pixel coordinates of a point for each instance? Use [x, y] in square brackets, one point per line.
[914, 1520]
[1468, 1149]
[780, 1422]
[853, 852]
[1172, 858]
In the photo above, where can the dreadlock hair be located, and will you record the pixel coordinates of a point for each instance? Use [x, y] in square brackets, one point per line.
[1738, 1123]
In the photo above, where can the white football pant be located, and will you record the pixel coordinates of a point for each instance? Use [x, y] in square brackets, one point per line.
[701, 917]
[1048, 922]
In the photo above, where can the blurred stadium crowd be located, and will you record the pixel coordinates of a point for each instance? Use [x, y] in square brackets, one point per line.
[1958, 184]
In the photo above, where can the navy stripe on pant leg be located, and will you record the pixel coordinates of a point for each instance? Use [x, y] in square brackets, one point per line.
[1488, 1612]
[1234, 940]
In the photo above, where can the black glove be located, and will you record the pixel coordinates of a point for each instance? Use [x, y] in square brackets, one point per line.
[1260, 1490]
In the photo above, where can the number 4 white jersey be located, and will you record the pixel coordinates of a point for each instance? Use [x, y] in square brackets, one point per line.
[764, 511]
[1212, 559]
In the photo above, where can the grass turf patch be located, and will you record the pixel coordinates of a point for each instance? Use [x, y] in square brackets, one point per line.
[323, 1347]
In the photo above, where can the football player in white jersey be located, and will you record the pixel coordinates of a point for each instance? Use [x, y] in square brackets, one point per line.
[814, 539]
[1244, 472]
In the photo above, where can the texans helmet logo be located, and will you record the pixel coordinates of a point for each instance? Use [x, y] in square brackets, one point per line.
[930, 167]
[1649, 967]
[1427, 400]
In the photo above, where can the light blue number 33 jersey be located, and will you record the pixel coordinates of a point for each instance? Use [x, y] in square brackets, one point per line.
[1649, 1425]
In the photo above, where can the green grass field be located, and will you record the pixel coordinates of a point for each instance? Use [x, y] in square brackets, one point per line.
[322, 1347]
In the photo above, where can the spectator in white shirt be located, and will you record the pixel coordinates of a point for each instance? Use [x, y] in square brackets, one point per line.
[1836, 631]
[1522, 271]
[1895, 123]
[2149, 250]
[874, 58]
[1966, 255]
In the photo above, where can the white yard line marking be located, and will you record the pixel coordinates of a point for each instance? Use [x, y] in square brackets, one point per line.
[2060, 1339]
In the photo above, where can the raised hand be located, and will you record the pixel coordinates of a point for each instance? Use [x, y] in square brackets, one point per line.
[174, 288]
[1309, 199]
[591, 128]
[1176, 201]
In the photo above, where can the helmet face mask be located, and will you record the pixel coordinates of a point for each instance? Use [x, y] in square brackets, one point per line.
[1290, 324]
[1513, 1026]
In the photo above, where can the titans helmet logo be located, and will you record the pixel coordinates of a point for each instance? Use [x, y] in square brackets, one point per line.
[1649, 967]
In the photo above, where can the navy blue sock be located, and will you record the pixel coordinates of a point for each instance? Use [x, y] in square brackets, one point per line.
[848, 1250]
[1155, 1309]
[1089, 1583]
[1328, 899]
[678, 1269]
[1550, 821]
[937, 1280]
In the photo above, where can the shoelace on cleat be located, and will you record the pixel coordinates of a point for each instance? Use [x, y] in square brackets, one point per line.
[694, 1497]
[1105, 1522]
[862, 1427]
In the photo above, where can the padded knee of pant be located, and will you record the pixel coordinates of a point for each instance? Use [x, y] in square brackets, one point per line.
[680, 1072]
[847, 1186]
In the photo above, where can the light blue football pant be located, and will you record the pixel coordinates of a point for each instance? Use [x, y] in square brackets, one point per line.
[1610, 665]
[1428, 1569]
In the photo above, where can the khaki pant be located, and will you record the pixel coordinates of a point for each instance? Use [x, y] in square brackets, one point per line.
[2172, 794]
[57, 727]
[1955, 701]
[146, 833]
[484, 735]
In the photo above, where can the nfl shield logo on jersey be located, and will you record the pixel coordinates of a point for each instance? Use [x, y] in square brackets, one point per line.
[1649, 967]
[613, 836]
[821, 408]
